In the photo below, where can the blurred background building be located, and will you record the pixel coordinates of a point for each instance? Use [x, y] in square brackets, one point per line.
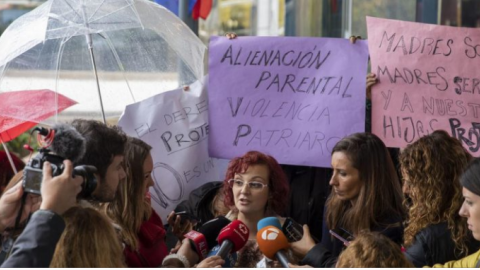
[320, 18]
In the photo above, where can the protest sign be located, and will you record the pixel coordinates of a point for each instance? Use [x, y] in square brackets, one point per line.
[428, 80]
[175, 124]
[293, 98]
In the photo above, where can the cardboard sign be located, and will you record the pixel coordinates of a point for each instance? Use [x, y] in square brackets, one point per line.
[175, 124]
[428, 80]
[293, 98]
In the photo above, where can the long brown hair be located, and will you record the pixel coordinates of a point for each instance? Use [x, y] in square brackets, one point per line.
[433, 166]
[89, 240]
[380, 195]
[130, 209]
[372, 250]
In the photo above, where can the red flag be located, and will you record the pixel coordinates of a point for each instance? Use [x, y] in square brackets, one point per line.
[201, 9]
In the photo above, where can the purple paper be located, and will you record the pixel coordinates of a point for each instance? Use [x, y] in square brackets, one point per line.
[292, 98]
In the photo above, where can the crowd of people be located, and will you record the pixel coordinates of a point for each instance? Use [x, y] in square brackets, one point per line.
[386, 208]
[372, 218]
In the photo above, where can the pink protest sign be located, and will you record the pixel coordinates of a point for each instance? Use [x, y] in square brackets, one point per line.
[292, 98]
[428, 80]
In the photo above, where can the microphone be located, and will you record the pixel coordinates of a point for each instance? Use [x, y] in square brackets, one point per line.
[206, 237]
[68, 142]
[269, 221]
[272, 242]
[198, 243]
[230, 259]
[232, 238]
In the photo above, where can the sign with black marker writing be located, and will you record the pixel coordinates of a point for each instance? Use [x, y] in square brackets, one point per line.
[293, 98]
[175, 124]
[428, 80]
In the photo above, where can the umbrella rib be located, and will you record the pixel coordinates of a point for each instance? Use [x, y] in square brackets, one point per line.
[113, 12]
[119, 63]
[59, 62]
[73, 9]
[96, 10]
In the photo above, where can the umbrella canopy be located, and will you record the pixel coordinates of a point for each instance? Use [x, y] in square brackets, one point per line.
[35, 107]
[140, 49]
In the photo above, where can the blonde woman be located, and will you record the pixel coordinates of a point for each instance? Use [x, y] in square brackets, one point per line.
[89, 240]
[139, 227]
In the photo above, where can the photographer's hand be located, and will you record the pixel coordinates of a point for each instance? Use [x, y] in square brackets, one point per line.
[59, 193]
[10, 203]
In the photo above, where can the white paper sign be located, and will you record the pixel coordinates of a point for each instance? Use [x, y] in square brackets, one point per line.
[175, 124]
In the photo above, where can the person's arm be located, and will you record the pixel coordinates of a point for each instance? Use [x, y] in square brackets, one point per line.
[415, 253]
[36, 245]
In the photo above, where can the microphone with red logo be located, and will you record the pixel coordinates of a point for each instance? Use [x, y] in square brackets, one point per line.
[273, 243]
[206, 237]
[232, 238]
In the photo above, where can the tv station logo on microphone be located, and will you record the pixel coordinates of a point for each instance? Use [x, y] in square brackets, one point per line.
[270, 234]
[243, 228]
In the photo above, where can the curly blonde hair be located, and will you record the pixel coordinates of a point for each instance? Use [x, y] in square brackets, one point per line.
[432, 166]
[372, 250]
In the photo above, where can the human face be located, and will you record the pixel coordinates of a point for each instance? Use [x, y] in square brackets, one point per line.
[252, 201]
[147, 174]
[107, 187]
[345, 179]
[471, 210]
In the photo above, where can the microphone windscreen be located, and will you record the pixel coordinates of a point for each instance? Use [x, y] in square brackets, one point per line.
[68, 142]
[236, 232]
[271, 240]
[212, 228]
[269, 221]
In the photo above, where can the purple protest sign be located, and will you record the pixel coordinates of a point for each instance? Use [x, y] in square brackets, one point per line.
[293, 98]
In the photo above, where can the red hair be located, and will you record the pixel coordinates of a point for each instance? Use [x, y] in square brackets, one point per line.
[277, 183]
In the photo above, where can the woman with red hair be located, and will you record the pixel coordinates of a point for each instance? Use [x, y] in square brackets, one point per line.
[255, 187]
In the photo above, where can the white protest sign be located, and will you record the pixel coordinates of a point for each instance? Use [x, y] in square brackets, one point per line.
[175, 124]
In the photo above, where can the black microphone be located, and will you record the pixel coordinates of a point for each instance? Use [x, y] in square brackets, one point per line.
[68, 142]
[206, 236]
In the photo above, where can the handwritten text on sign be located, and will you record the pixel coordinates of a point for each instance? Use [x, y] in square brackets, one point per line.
[175, 124]
[428, 81]
[292, 98]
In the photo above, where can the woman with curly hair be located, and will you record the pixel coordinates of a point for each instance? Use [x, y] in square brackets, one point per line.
[372, 250]
[255, 187]
[431, 169]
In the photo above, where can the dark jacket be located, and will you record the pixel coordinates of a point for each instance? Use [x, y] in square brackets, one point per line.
[309, 189]
[199, 201]
[434, 245]
[36, 245]
[325, 254]
[198, 205]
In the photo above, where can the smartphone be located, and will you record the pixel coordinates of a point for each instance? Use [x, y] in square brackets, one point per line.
[187, 216]
[293, 231]
[336, 235]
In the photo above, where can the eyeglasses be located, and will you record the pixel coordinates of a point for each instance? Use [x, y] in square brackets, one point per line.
[237, 183]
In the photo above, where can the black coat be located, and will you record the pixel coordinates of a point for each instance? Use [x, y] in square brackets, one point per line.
[36, 245]
[434, 245]
[325, 254]
[199, 201]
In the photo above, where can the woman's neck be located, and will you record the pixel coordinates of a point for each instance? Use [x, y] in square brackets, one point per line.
[251, 221]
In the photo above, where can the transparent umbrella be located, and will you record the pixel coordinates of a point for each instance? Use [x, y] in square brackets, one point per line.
[104, 54]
